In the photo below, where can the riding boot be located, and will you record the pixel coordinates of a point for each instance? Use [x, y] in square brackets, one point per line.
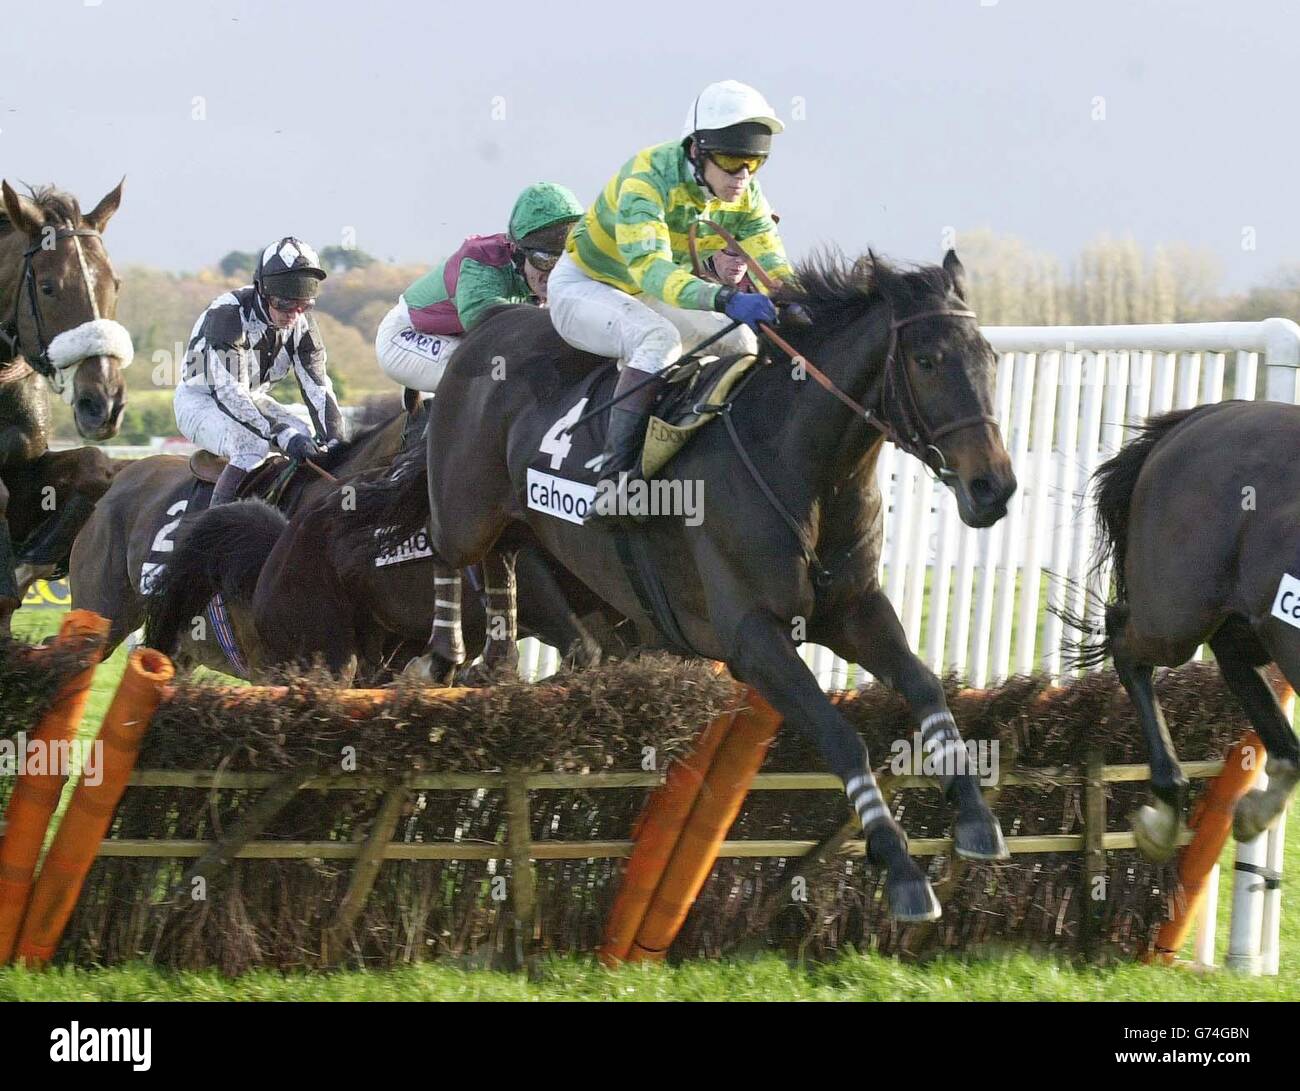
[227, 485]
[417, 417]
[623, 442]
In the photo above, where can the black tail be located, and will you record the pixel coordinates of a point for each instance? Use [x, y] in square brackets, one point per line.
[220, 550]
[1113, 485]
[389, 509]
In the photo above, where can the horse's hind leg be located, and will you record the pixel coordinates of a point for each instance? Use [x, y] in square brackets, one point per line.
[501, 629]
[764, 656]
[1240, 659]
[868, 632]
[10, 599]
[1155, 824]
[545, 611]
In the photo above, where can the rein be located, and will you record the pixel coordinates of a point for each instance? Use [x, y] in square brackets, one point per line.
[913, 433]
[915, 436]
[10, 342]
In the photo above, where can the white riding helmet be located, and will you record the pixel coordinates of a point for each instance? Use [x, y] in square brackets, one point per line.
[727, 103]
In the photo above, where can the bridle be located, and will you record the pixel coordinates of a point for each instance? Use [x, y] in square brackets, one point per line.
[908, 429]
[899, 417]
[10, 340]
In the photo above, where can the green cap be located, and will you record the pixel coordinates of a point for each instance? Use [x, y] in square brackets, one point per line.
[542, 205]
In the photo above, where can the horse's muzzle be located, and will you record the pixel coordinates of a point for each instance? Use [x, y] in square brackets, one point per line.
[98, 414]
[982, 500]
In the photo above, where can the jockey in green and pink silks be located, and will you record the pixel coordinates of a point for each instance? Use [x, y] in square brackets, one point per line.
[417, 337]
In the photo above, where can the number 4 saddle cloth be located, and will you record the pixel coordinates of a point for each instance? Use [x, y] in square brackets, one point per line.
[691, 398]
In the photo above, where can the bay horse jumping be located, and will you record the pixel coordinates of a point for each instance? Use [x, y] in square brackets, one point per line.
[58, 296]
[793, 558]
[1200, 514]
[308, 589]
[287, 601]
[146, 502]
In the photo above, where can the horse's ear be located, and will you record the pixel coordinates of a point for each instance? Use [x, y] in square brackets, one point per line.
[956, 272]
[878, 274]
[22, 211]
[99, 216]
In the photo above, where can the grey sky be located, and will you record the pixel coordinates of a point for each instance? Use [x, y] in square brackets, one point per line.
[919, 114]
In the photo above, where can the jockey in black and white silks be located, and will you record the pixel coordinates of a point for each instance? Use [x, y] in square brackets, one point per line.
[241, 346]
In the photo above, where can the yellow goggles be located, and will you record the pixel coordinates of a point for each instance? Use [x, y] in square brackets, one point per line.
[734, 164]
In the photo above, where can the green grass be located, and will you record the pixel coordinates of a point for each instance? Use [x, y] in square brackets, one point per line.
[1017, 976]
[852, 977]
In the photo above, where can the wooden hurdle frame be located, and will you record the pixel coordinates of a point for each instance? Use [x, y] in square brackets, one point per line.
[750, 728]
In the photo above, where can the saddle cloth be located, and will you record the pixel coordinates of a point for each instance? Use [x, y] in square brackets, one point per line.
[205, 467]
[575, 449]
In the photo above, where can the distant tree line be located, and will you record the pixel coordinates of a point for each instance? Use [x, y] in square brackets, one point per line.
[1109, 281]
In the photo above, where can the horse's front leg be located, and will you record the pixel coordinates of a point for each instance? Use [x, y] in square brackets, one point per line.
[1155, 824]
[763, 655]
[76, 479]
[867, 631]
[445, 650]
[10, 599]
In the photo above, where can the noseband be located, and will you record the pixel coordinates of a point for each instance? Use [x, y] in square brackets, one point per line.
[10, 342]
[911, 431]
[908, 429]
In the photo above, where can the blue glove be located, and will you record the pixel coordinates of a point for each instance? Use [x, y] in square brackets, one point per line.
[750, 308]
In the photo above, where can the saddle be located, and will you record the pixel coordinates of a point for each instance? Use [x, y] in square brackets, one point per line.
[691, 398]
[206, 467]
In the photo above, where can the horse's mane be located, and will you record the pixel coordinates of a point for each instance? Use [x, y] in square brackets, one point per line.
[830, 284]
[367, 432]
[58, 205]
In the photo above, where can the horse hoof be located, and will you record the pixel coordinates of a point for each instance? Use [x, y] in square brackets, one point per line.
[1155, 826]
[481, 675]
[1255, 812]
[431, 669]
[978, 836]
[912, 899]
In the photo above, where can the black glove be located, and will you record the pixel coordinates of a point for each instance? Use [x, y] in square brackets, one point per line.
[332, 452]
[303, 448]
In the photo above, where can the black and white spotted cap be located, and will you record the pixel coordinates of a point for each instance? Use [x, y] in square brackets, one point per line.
[289, 269]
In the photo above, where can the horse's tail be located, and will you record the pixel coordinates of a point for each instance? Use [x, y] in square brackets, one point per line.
[219, 551]
[388, 509]
[1113, 483]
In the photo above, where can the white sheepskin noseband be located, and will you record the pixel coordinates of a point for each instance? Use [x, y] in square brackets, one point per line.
[100, 337]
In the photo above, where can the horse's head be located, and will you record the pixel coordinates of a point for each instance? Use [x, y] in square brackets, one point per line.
[58, 299]
[931, 389]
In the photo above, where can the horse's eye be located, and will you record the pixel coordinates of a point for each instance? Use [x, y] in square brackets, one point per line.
[925, 363]
[47, 287]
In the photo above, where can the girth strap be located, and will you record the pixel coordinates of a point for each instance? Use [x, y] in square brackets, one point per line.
[639, 565]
